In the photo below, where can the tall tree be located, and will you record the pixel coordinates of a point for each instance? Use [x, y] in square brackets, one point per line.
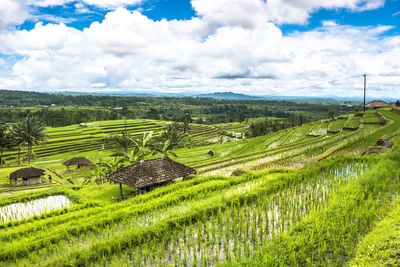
[124, 140]
[4, 140]
[29, 131]
[172, 132]
[16, 141]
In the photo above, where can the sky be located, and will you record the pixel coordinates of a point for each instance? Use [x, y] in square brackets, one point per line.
[316, 48]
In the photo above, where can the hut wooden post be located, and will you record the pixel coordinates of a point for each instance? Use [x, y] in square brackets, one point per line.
[120, 191]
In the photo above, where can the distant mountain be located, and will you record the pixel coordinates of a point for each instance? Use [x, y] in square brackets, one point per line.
[228, 95]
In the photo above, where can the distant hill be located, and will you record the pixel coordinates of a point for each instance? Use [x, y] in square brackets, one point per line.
[228, 95]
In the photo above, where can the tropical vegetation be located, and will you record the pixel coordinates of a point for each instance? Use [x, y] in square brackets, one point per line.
[312, 193]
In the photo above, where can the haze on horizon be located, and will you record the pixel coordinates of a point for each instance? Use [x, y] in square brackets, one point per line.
[256, 47]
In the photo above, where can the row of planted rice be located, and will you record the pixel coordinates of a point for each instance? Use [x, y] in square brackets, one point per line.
[215, 219]
[82, 139]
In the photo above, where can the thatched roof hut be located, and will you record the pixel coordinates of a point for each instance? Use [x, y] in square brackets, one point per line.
[377, 104]
[149, 172]
[30, 175]
[80, 161]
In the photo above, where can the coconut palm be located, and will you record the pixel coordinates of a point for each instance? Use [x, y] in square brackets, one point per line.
[29, 131]
[4, 140]
[16, 141]
[173, 132]
[124, 140]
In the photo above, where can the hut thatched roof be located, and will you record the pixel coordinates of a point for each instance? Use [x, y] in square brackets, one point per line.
[78, 161]
[377, 104]
[151, 171]
[26, 173]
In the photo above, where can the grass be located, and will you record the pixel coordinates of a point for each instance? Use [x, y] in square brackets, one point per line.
[380, 247]
[353, 123]
[328, 213]
[336, 126]
[89, 141]
[371, 117]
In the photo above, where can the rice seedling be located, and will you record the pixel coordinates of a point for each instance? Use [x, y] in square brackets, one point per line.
[36, 207]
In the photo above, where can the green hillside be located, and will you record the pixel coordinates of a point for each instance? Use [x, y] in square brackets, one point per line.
[317, 194]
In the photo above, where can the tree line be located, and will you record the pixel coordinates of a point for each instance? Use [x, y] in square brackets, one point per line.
[77, 109]
[266, 125]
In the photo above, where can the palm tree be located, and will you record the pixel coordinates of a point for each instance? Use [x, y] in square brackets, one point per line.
[16, 140]
[31, 132]
[173, 133]
[4, 141]
[124, 140]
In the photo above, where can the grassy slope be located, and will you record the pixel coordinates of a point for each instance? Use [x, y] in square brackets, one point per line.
[190, 200]
[381, 247]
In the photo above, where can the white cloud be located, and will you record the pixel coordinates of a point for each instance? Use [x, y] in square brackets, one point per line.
[128, 51]
[249, 13]
[46, 3]
[12, 12]
[329, 23]
[111, 3]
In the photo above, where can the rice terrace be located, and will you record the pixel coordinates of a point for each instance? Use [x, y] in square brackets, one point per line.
[148, 192]
[199, 133]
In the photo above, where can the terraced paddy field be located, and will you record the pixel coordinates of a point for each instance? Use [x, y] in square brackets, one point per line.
[352, 123]
[64, 142]
[325, 213]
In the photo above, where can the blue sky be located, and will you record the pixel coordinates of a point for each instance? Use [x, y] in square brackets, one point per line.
[247, 46]
[389, 14]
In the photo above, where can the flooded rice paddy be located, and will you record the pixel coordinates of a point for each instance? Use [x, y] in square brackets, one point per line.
[36, 207]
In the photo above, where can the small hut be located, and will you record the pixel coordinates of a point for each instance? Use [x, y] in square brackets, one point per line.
[148, 172]
[30, 176]
[377, 104]
[79, 161]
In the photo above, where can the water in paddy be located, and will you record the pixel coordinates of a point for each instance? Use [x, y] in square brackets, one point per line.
[20, 211]
[237, 232]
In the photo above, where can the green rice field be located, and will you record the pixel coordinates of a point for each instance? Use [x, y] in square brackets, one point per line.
[314, 195]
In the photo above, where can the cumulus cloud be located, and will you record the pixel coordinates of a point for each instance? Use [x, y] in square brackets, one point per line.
[128, 51]
[12, 12]
[239, 48]
[249, 13]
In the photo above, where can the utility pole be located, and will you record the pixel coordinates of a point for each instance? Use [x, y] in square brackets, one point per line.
[365, 87]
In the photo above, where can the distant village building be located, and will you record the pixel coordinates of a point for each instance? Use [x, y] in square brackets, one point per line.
[82, 124]
[117, 108]
[79, 161]
[30, 176]
[149, 172]
[53, 105]
[377, 104]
